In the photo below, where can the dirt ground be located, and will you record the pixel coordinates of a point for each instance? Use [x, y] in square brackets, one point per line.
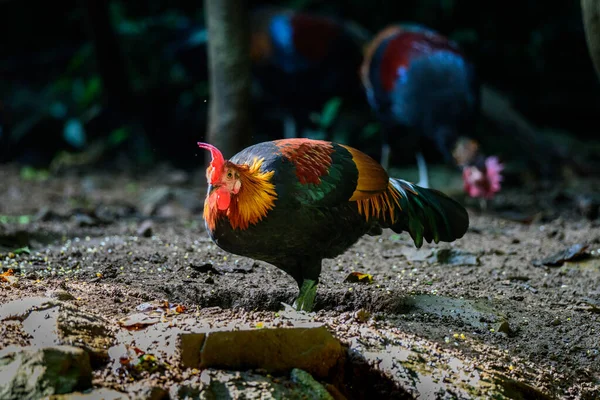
[115, 242]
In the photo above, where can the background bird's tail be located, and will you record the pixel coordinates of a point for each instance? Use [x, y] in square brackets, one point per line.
[428, 213]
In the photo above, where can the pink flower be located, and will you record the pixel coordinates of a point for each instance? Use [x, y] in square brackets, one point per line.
[480, 183]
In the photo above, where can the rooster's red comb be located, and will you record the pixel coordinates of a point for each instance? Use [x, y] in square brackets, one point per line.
[217, 163]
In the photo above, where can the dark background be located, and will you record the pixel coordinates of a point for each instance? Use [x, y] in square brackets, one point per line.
[52, 97]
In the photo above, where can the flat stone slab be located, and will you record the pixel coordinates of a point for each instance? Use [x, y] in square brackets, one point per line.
[276, 350]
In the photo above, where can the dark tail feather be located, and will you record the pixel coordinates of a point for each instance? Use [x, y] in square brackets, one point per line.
[429, 214]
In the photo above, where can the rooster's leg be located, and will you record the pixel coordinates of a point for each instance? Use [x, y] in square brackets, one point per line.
[385, 155]
[483, 203]
[423, 173]
[306, 297]
[386, 148]
[306, 274]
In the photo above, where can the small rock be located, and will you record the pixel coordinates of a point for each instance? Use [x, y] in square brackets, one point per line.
[170, 210]
[109, 272]
[504, 327]
[62, 295]
[96, 394]
[145, 229]
[85, 220]
[85, 330]
[555, 322]
[34, 373]
[46, 214]
[51, 322]
[362, 315]
[210, 280]
[588, 206]
[275, 350]
[455, 257]
[32, 276]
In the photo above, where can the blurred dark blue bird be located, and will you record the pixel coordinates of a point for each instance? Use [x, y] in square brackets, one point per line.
[301, 60]
[420, 83]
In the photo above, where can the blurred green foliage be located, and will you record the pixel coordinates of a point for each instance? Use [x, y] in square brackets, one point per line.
[531, 50]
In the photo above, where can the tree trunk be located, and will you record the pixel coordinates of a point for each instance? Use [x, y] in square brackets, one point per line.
[229, 70]
[590, 9]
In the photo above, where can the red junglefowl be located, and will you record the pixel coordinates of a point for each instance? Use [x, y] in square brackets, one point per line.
[294, 202]
[301, 60]
[420, 83]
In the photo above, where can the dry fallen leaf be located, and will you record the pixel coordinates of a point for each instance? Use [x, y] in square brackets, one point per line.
[576, 252]
[138, 321]
[10, 272]
[160, 308]
[8, 276]
[150, 314]
[359, 277]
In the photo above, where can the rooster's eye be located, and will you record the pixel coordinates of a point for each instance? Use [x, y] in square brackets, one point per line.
[229, 175]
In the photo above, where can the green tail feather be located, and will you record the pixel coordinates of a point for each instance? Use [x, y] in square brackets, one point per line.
[429, 214]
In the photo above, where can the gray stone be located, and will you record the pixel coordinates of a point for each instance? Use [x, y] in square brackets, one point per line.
[276, 350]
[20, 309]
[33, 373]
[50, 322]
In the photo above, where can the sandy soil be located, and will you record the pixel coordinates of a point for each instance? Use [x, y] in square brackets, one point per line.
[538, 323]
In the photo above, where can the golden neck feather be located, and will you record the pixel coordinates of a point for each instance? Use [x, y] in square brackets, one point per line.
[254, 200]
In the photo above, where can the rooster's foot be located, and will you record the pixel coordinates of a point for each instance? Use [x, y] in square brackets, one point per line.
[306, 297]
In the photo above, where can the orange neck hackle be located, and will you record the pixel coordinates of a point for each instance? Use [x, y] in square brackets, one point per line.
[242, 193]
